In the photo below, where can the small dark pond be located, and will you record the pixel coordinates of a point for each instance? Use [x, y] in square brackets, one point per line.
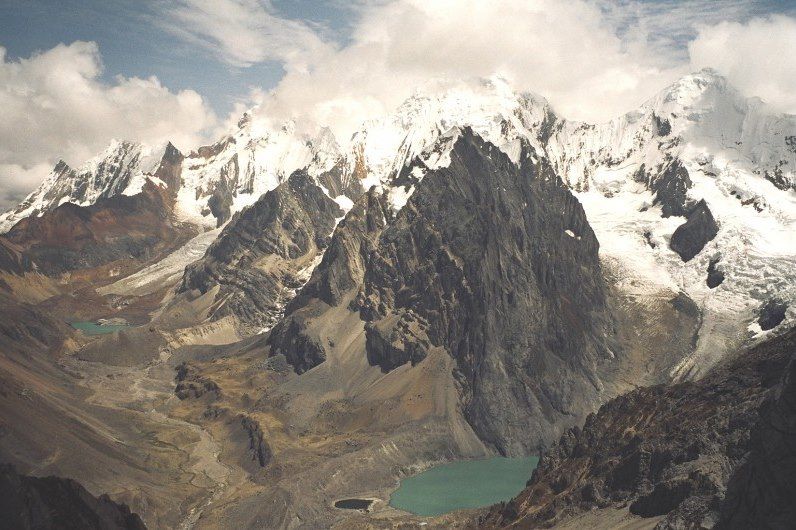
[353, 504]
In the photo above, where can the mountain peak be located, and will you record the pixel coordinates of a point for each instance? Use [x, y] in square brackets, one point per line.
[702, 86]
[61, 167]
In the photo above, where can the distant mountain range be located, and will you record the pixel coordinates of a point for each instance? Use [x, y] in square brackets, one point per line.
[639, 177]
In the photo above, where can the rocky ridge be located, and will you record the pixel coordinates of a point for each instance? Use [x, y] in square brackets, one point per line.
[497, 264]
[699, 454]
[436, 275]
[29, 503]
[258, 256]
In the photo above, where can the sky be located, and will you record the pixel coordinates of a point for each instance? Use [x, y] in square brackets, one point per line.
[76, 73]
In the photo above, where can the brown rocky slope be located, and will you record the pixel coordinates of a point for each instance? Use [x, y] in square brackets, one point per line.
[32, 503]
[719, 452]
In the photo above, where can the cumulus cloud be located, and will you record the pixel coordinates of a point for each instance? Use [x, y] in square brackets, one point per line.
[55, 106]
[566, 50]
[17, 181]
[757, 57]
[592, 59]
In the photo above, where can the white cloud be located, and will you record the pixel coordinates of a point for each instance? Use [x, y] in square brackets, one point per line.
[757, 57]
[592, 59]
[244, 32]
[55, 106]
[565, 50]
[16, 181]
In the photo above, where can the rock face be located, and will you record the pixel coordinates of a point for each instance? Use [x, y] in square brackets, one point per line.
[671, 187]
[498, 265]
[341, 271]
[169, 169]
[760, 493]
[691, 237]
[53, 503]
[493, 263]
[343, 265]
[25, 327]
[338, 181]
[13, 258]
[698, 452]
[256, 258]
[772, 313]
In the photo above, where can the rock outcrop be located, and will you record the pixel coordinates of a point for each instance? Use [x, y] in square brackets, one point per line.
[671, 186]
[715, 275]
[257, 257]
[341, 272]
[290, 337]
[259, 450]
[761, 492]
[54, 503]
[498, 265]
[771, 314]
[192, 384]
[697, 453]
[690, 238]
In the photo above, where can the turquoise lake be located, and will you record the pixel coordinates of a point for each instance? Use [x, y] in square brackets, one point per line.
[465, 484]
[91, 328]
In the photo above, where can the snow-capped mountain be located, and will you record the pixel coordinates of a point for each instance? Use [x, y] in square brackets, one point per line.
[730, 151]
[255, 158]
[639, 177]
[122, 168]
[699, 136]
[235, 171]
[700, 118]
